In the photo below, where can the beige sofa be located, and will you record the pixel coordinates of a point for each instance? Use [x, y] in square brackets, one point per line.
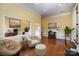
[9, 47]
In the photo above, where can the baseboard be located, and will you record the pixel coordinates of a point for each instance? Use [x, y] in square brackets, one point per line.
[45, 34]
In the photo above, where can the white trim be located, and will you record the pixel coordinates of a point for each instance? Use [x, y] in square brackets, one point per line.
[45, 34]
[59, 34]
[62, 14]
[3, 26]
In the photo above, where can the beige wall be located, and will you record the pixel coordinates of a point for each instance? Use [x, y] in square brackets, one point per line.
[61, 21]
[24, 23]
[16, 11]
[1, 21]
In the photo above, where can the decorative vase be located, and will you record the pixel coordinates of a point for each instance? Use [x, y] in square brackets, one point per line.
[67, 39]
[26, 33]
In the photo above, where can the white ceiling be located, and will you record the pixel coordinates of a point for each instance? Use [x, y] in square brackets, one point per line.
[49, 9]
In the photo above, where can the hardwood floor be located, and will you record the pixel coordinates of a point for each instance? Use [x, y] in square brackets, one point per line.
[55, 47]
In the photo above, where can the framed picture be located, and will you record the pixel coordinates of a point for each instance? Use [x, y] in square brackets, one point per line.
[14, 23]
[52, 25]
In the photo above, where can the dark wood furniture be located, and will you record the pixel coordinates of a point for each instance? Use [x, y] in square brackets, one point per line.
[51, 35]
[9, 34]
[54, 35]
[15, 32]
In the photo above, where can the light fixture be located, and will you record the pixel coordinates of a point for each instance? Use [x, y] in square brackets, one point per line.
[36, 4]
[45, 10]
[59, 4]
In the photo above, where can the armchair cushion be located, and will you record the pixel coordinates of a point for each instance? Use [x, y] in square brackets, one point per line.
[33, 40]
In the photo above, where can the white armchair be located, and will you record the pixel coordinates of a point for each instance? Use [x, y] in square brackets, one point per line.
[33, 40]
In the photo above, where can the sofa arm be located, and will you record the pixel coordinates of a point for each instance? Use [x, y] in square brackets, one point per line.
[29, 41]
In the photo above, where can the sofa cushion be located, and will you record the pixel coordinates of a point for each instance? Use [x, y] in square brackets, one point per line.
[8, 44]
[12, 45]
[35, 41]
[4, 43]
[9, 47]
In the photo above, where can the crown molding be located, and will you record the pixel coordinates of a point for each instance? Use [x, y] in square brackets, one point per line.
[62, 14]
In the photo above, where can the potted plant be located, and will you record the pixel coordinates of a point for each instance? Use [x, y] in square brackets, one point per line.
[67, 32]
[26, 30]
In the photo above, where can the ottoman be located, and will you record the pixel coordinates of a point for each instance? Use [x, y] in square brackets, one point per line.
[40, 49]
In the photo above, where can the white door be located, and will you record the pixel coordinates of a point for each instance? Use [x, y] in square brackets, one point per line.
[38, 30]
